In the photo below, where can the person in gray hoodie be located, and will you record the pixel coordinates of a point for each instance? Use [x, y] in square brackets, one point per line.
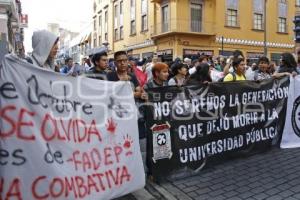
[45, 48]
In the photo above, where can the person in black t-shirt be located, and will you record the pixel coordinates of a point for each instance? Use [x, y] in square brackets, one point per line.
[99, 71]
[121, 73]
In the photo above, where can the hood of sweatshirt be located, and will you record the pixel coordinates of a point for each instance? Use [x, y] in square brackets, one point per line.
[42, 43]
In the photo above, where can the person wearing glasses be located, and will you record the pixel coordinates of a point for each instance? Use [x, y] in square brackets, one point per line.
[121, 73]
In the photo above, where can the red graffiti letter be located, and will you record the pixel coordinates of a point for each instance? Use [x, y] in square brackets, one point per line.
[51, 126]
[118, 151]
[22, 123]
[107, 155]
[82, 190]
[93, 130]
[34, 189]
[125, 175]
[9, 120]
[59, 187]
[14, 190]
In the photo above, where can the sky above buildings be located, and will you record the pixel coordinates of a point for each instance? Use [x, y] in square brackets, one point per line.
[74, 15]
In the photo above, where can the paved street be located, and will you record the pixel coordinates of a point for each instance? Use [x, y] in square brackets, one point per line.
[271, 175]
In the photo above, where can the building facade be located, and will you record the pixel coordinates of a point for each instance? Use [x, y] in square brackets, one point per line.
[11, 33]
[185, 28]
[72, 44]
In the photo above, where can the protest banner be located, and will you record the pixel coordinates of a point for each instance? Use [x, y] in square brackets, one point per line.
[188, 124]
[291, 134]
[64, 137]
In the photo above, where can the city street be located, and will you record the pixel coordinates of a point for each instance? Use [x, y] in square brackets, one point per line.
[197, 89]
[269, 175]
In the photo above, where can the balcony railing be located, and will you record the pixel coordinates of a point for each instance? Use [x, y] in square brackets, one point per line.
[183, 26]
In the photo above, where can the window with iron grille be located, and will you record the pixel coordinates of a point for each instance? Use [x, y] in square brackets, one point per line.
[116, 34]
[132, 9]
[165, 18]
[100, 40]
[282, 25]
[258, 14]
[144, 23]
[196, 17]
[132, 27]
[258, 6]
[144, 14]
[116, 14]
[121, 13]
[132, 17]
[232, 17]
[100, 23]
[106, 24]
[282, 9]
[121, 33]
[258, 21]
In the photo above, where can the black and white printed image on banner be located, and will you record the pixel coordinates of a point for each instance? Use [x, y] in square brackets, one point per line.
[187, 124]
[291, 134]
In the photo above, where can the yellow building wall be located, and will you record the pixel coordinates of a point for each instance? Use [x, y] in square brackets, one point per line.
[246, 22]
[214, 25]
[214, 21]
[140, 36]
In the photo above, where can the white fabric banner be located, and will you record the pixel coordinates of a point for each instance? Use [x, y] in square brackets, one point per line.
[64, 137]
[291, 131]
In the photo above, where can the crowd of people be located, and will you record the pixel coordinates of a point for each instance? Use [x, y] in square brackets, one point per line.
[144, 74]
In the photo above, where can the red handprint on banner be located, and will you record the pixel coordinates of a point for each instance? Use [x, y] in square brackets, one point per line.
[127, 144]
[111, 126]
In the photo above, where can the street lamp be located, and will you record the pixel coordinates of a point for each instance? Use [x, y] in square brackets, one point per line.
[265, 29]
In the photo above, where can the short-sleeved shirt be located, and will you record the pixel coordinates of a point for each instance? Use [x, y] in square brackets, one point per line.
[229, 77]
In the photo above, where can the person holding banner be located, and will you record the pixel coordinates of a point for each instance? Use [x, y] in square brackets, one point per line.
[99, 70]
[160, 72]
[180, 72]
[288, 65]
[45, 48]
[201, 76]
[121, 74]
[262, 72]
